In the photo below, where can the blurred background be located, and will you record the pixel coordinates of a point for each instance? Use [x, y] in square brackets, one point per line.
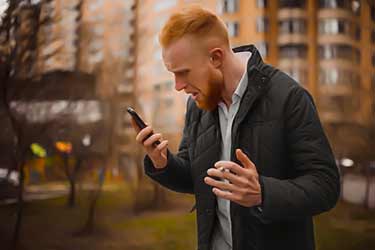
[71, 173]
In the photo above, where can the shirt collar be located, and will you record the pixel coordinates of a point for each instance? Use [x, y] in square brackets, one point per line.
[242, 84]
[241, 87]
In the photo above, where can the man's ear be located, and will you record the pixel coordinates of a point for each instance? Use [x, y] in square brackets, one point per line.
[216, 57]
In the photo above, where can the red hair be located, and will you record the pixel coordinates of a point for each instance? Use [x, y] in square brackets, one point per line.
[193, 20]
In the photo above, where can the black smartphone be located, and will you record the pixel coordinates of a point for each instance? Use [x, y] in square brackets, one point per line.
[140, 123]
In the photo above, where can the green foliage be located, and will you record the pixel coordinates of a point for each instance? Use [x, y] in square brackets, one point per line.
[38, 150]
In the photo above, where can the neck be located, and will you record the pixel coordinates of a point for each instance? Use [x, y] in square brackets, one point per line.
[233, 69]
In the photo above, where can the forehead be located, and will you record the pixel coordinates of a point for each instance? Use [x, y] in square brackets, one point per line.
[182, 52]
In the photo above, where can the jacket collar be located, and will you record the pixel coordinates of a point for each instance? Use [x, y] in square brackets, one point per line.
[257, 82]
[255, 58]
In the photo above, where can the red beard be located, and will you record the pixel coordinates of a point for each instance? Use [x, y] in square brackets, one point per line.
[212, 97]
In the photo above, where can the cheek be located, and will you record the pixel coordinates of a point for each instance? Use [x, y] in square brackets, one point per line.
[199, 80]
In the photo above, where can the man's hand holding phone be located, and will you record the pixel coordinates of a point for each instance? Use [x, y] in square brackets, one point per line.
[155, 146]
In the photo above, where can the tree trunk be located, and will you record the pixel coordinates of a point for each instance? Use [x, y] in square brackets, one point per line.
[72, 177]
[368, 184]
[90, 222]
[72, 193]
[20, 205]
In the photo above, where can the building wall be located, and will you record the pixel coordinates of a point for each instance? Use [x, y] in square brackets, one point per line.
[161, 104]
[327, 46]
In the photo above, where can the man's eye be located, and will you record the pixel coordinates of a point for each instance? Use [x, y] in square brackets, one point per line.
[182, 73]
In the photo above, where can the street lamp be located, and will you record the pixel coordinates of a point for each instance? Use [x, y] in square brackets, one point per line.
[86, 140]
[347, 163]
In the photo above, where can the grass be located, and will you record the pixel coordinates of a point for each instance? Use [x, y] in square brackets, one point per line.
[50, 225]
[346, 227]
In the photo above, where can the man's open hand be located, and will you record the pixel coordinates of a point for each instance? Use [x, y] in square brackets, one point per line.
[243, 186]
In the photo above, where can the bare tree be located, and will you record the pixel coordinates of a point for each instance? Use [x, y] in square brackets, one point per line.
[17, 46]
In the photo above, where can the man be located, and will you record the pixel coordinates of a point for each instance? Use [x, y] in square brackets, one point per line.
[253, 151]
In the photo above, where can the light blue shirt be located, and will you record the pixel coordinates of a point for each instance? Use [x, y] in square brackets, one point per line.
[222, 236]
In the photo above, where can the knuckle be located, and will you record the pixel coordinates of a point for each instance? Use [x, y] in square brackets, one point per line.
[248, 184]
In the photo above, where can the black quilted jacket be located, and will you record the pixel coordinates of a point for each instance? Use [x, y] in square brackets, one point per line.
[277, 126]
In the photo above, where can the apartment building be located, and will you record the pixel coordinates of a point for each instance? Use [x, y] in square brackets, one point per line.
[328, 46]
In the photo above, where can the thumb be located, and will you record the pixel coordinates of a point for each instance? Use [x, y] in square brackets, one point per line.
[246, 162]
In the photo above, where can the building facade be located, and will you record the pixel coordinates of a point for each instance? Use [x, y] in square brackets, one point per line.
[74, 58]
[328, 46]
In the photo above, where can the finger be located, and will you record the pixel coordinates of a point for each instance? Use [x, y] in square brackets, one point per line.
[232, 166]
[220, 184]
[163, 145]
[152, 139]
[143, 134]
[235, 179]
[225, 195]
[246, 162]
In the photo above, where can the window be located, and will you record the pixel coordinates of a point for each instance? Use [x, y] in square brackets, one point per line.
[357, 33]
[169, 102]
[337, 76]
[168, 85]
[292, 3]
[164, 4]
[333, 4]
[163, 86]
[233, 28]
[292, 26]
[157, 87]
[352, 5]
[339, 51]
[293, 51]
[262, 47]
[299, 75]
[228, 6]
[339, 104]
[262, 24]
[126, 120]
[334, 26]
[356, 7]
[262, 3]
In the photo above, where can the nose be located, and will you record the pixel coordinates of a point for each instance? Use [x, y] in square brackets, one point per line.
[180, 85]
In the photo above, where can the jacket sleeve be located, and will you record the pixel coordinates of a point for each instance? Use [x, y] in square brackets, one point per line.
[316, 185]
[176, 175]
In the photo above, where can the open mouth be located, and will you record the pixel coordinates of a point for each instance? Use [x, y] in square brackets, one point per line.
[194, 96]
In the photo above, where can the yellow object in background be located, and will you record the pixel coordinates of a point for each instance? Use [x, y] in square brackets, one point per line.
[65, 147]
